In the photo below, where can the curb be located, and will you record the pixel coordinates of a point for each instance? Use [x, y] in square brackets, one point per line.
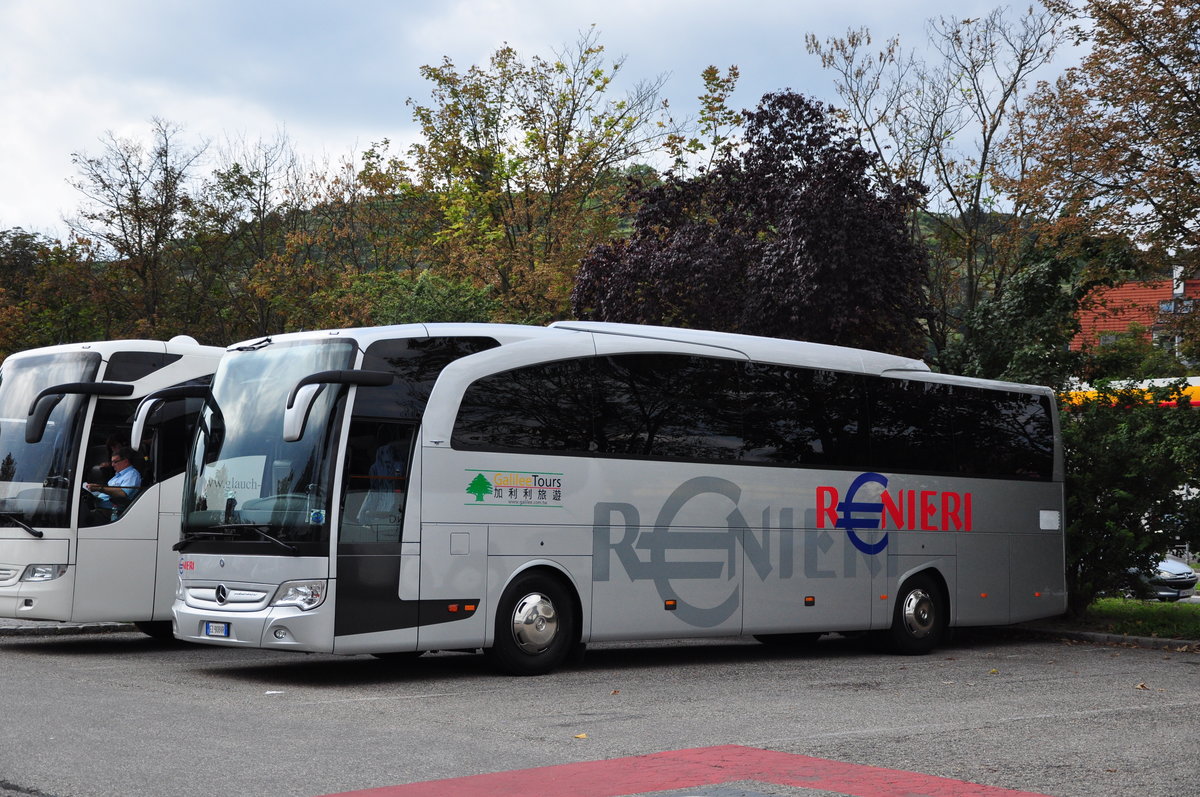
[1122, 640]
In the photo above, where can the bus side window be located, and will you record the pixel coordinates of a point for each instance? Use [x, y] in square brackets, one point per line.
[111, 423]
[377, 456]
[172, 426]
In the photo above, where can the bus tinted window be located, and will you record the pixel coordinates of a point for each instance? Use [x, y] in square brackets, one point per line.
[668, 406]
[801, 416]
[416, 363]
[130, 366]
[911, 426]
[545, 407]
[1004, 434]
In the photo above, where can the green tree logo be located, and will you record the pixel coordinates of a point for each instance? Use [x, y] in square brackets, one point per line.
[479, 487]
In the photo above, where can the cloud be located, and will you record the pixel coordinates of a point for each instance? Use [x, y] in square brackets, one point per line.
[336, 76]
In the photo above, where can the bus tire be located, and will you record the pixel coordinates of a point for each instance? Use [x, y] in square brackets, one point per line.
[919, 619]
[535, 626]
[156, 629]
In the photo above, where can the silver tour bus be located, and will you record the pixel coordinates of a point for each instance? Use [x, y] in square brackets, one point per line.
[65, 553]
[528, 490]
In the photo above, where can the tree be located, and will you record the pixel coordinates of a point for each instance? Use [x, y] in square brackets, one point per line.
[383, 219]
[942, 122]
[715, 128]
[20, 255]
[239, 218]
[524, 160]
[1131, 355]
[793, 234]
[1038, 315]
[1031, 325]
[136, 196]
[1116, 140]
[413, 297]
[48, 294]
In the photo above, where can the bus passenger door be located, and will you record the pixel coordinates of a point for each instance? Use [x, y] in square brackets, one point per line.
[118, 539]
[367, 592]
[171, 426]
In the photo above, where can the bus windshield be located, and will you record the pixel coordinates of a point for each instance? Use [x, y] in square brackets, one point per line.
[247, 486]
[36, 479]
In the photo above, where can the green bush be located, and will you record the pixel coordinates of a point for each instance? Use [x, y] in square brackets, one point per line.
[1128, 459]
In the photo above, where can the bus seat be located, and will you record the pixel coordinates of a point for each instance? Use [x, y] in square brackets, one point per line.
[96, 467]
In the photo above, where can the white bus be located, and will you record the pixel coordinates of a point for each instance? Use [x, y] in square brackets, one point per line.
[529, 490]
[64, 555]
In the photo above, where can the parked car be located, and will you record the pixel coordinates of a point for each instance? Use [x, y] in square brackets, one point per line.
[1172, 580]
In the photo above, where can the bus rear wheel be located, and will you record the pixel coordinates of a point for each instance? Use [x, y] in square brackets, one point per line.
[919, 619]
[535, 626]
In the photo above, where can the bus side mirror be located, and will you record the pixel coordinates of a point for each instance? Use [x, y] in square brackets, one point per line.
[304, 394]
[48, 399]
[295, 415]
[151, 401]
[39, 414]
[144, 408]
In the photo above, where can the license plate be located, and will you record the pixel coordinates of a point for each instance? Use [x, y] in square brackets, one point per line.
[216, 629]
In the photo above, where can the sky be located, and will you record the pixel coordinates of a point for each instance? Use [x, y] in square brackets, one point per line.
[335, 76]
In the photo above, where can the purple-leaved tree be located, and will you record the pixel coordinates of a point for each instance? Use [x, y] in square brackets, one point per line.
[790, 235]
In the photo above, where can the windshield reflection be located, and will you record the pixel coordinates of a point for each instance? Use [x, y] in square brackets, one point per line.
[246, 484]
[37, 480]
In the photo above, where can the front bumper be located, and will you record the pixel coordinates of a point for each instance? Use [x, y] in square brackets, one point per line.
[263, 626]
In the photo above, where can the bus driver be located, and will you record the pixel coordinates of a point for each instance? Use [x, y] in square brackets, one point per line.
[124, 484]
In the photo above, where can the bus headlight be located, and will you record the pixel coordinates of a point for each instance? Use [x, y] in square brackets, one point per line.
[43, 572]
[304, 595]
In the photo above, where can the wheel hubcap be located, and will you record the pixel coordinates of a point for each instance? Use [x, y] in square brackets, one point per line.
[919, 613]
[534, 623]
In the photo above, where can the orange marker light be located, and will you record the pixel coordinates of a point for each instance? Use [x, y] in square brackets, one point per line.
[470, 607]
[983, 594]
[883, 597]
[669, 605]
[452, 608]
[810, 600]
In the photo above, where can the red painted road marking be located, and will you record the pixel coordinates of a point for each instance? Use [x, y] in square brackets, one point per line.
[701, 766]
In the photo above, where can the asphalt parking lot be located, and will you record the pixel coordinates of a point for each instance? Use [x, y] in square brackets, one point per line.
[993, 711]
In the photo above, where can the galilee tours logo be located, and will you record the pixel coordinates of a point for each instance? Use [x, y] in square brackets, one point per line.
[513, 488]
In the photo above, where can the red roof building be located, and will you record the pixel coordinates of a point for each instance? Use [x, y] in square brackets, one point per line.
[1109, 312]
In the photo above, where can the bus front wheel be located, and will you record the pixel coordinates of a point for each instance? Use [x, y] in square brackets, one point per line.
[919, 619]
[535, 626]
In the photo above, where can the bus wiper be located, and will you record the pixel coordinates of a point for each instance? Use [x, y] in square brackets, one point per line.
[258, 529]
[194, 536]
[254, 346]
[18, 522]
